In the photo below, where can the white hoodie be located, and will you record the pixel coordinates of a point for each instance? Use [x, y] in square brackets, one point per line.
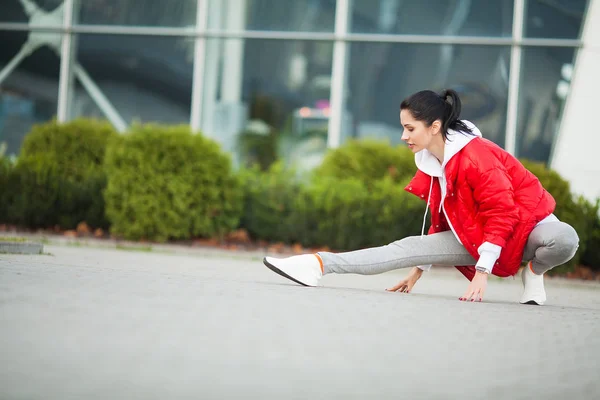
[429, 164]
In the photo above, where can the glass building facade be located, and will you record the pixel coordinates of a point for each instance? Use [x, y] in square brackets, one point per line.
[309, 74]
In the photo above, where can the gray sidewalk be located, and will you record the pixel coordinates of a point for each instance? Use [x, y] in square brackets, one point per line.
[89, 323]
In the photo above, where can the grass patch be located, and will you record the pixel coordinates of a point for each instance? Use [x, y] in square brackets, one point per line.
[134, 248]
[12, 239]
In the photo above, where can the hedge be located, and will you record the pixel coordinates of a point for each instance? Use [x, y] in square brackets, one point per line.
[273, 204]
[590, 254]
[58, 177]
[350, 215]
[5, 170]
[164, 182]
[342, 214]
[368, 160]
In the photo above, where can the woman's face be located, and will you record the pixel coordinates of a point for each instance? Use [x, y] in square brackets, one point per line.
[416, 134]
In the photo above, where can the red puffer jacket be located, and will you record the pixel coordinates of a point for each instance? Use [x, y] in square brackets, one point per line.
[490, 197]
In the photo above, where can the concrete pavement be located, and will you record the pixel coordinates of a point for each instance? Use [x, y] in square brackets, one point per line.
[111, 324]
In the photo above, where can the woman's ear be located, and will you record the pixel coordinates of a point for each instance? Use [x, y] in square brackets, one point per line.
[436, 126]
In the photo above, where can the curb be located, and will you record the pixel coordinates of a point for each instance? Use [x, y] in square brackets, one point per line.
[20, 247]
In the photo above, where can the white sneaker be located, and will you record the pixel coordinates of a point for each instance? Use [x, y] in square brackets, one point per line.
[304, 269]
[534, 292]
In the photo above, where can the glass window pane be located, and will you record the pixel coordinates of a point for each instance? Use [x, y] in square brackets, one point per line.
[267, 98]
[40, 12]
[163, 13]
[560, 19]
[545, 79]
[272, 15]
[433, 17]
[145, 78]
[28, 85]
[382, 75]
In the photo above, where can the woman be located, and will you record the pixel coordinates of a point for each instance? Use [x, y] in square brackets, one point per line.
[488, 213]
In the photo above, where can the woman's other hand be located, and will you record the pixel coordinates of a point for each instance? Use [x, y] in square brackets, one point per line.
[406, 285]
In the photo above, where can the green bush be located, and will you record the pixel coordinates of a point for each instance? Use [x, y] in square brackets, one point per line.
[336, 211]
[575, 213]
[590, 254]
[167, 183]
[33, 196]
[58, 178]
[368, 160]
[350, 215]
[275, 202]
[342, 214]
[5, 170]
[258, 147]
[396, 213]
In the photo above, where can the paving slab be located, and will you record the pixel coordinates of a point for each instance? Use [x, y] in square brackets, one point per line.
[100, 323]
[20, 247]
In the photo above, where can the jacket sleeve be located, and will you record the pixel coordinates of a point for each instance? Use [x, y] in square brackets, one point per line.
[494, 196]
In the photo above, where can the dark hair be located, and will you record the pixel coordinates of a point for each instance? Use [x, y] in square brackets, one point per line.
[428, 106]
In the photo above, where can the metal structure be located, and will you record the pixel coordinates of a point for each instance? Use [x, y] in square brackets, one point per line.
[57, 30]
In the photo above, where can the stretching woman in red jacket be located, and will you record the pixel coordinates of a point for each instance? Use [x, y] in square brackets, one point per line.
[488, 213]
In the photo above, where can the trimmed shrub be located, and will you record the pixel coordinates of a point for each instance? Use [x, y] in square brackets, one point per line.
[59, 177]
[258, 145]
[164, 182]
[5, 170]
[368, 160]
[397, 213]
[275, 203]
[590, 254]
[336, 211]
[574, 213]
[350, 215]
[342, 214]
[32, 195]
[75, 147]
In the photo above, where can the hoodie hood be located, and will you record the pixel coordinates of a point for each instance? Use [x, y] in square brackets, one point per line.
[456, 141]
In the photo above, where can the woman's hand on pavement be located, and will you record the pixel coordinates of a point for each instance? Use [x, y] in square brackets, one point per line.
[476, 288]
[406, 285]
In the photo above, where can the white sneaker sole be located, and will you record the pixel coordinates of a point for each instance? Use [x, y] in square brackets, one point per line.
[532, 303]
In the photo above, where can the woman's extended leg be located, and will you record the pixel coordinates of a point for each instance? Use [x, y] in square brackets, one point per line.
[438, 248]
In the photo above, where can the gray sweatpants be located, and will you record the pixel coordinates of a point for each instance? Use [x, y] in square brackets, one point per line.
[549, 245]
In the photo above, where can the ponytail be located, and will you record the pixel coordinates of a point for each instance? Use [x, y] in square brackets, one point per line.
[452, 115]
